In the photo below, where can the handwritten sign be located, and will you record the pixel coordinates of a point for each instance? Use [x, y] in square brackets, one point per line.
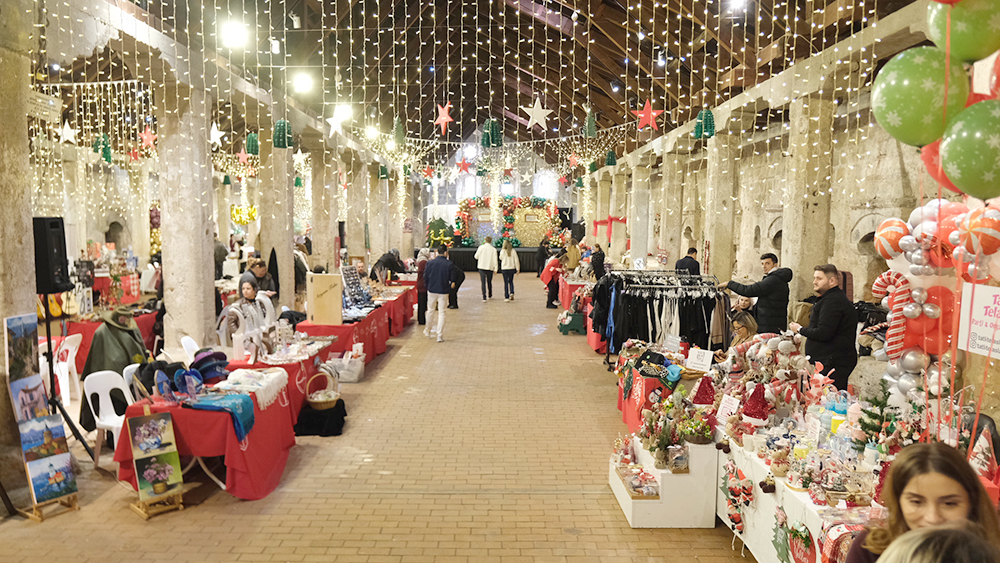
[700, 360]
[977, 331]
[727, 407]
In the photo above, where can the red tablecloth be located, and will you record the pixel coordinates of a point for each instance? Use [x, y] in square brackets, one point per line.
[87, 329]
[594, 339]
[641, 396]
[373, 331]
[401, 310]
[566, 290]
[130, 285]
[254, 465]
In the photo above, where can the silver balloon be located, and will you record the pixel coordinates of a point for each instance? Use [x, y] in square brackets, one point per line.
[946, 357]
[916, 269]
[954, 238]
[919, 295]
[908, 243]
[885, 302]
[962, 254]
[928, 270]
[914, 360]
[912, 310]
[907, 383]
[880, 355]
[892, 381]
[908, 254]
[917, 257]
[888, 317]
[980, 271]
[932, 373]
[925, 231]
[931, 310]
[893, 369]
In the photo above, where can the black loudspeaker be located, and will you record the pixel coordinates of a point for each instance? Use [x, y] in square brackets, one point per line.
[51, 266]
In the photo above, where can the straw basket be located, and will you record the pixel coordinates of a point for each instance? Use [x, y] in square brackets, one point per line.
[330, 384]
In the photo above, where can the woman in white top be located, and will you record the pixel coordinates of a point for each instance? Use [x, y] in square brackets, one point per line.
[509, 265]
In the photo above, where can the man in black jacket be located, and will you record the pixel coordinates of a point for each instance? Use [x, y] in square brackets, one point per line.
[689, 263]
[771, 293]
[833, 325]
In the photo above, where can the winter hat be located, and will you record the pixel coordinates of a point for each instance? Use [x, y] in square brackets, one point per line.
[704, 395]
[755, 409]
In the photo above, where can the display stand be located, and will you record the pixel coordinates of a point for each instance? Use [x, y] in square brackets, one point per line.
[682, 502]
[35, 513]
[167, 502]
[6, 501]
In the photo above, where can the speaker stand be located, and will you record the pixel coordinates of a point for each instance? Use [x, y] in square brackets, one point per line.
[53, 397]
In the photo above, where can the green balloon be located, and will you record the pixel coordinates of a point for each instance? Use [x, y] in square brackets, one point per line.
[975, 28]
[970, 150]
[908, 97]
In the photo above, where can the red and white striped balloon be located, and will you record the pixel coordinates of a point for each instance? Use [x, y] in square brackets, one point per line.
[887, 237]
[979, 233]
[901, 296]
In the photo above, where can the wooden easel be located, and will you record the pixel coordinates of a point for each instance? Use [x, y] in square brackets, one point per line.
[69, 502]
[171, 500]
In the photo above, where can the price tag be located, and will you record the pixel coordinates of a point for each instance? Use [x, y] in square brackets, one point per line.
[727, 408]
[812, 430]
[673, 344]
[700, 360]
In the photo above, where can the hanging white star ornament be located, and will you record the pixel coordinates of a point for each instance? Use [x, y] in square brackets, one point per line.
[536, 114]
[216, 135]
[67, 134]
[336, 125]
[299, 158]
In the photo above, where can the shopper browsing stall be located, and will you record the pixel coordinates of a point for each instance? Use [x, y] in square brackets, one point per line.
[771, 293]
[744, 329]
[257, 272]
[387, 266]
[597, 261]
[928, 485]
[832, 329]
[422, 257]
[247, 305]
[957, 542]
[550, 277]
[572, 254]
[542, 256]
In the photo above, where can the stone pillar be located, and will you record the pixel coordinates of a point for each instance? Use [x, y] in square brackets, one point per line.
[276, 213]
[17, 290]
[805, 222]
[405, 222]
[619, 232]
[378, 214]
[601, 211]
[324, 209]
[186, 207]
[672, 208]
[357, 211]
[723, 150]
[639, 219]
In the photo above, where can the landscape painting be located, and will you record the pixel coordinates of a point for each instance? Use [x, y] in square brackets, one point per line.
[21, 336]
[42, 437]
[51, 478]
[28, 396]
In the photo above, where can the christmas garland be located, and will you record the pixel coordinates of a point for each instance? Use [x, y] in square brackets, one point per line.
[508, 205]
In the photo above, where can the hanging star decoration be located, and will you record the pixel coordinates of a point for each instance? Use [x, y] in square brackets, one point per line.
[216, 135]
[508, 172]
[463, 165]
[536, 114]
[243, 156]
[647, 116]
[134, 154]
[67, 134]
[148, 138]
[563, 180]
[574, 160]
[299, 159]
[336, 125]
[443, 117]
[428, 172]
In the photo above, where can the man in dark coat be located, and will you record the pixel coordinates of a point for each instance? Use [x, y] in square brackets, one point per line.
[771, 293]
[439, 277]
[389, 264]
[689, 263]
[833, 325]
[117, 343]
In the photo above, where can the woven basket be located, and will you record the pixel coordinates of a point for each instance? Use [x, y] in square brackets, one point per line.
[330, 384]
[701, 440]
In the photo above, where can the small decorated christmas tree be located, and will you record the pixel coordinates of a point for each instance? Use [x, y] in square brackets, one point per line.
[873, 419]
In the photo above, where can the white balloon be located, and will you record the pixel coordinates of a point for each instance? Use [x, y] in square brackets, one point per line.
[917, 257]
[979, 272]
[885, 302]
[908, 244]
[906, 383]
[955, 238]
[920, 215]
[899, 264]
[935, 204]
[962, 254]
[912, 310]
[925, 231]
[931, 310]
[880, 354]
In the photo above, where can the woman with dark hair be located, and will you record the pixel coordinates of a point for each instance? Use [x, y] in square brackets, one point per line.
[597, 261]
[928, 485]
[542, 255]
[247, 305]
[957, 542]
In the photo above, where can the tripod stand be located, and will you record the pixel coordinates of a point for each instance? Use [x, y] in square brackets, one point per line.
[53, 397]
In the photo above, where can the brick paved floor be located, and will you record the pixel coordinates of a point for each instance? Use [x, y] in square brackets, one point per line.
[489, 447]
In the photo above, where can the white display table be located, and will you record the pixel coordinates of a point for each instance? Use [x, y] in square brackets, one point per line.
[686, 500]
[759, 517]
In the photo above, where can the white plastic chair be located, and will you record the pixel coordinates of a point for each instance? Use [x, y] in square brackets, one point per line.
[71, 344]
[269, 317]
[101, 383]
[222, 328]
[127, 374]
[190, 347]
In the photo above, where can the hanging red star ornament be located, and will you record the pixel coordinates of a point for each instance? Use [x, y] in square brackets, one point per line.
[647, 116]
[443, 117]
[148, 137]
[508, 172]
[463, 166]
[563, 180]
[243, 156]
[574, 160]
[134, 154]
[428, 172]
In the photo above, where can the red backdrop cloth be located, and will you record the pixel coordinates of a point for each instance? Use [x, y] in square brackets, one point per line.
[130, 286]
[566, 290]
[373, 331]
[638, 399]
[88, 328]
[253, 466]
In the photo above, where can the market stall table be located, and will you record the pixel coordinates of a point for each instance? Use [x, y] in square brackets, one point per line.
[400, 310]
[594, 339]
[372, 331]
[254, 465]
[566, 289]
[88, 328]
[130, 287]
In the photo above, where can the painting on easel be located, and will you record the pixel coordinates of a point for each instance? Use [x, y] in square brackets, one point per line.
[21, 337]
[158, 474]
[42, 437]
[51, 478]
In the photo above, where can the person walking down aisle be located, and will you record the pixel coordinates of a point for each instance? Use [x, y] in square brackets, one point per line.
[510, 264]
[689, 263]
[550, 277]
[572, 254]
[459, 278]
[486, 257]
[597, 261]
[422, 257]
[542, 256]
[771, 293]
[833, 325]
[440, 279]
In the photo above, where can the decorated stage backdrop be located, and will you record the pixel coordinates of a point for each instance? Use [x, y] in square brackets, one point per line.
[525, 221]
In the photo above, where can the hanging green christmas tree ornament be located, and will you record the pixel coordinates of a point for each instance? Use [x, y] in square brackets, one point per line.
[590, 126]
[399, 132]
[226, 181]
[106, 148]
[492, 136]
[383, 173]
[282, 134]
[97, 144]
[579, 182]
[593, 166]
[704, 127]
[298, 181]
[253, 144]
[480, 172]
[611, 159]
[406, 170]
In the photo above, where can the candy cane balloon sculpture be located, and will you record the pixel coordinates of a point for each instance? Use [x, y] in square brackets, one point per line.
[901, 296]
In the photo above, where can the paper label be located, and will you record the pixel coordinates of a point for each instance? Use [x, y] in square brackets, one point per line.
[700, 360]
[672, 343]
[812, 430]
[727, 408]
